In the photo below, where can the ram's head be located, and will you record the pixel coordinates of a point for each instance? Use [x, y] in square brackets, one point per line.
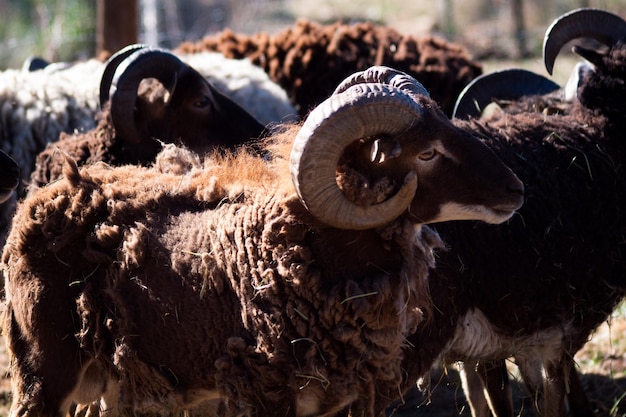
[154, 95]
[383, 123]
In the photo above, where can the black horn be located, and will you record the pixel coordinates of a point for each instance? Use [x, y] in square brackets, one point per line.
[111, 66]
[144, 63]
[509, 84]
[602, 26]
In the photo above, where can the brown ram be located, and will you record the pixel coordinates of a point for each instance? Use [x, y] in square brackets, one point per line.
[536, 287]
[151, 97]
[136, 289]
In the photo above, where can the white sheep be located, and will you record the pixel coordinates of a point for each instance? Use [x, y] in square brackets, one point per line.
[37, 106]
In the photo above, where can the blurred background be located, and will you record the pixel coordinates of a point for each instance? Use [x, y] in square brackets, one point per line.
[65, 30]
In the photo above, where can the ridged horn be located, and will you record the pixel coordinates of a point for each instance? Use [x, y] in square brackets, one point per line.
[109, 69]
[359, 112]
[508, 84]
[145, 63]
[383, 75]
[606, 28]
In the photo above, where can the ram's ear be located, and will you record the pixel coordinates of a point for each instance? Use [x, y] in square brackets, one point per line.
[595, 57]
[172, 86]
[384, 149]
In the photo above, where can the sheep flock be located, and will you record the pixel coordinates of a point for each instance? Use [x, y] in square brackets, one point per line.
[309, 230]
[251, 278]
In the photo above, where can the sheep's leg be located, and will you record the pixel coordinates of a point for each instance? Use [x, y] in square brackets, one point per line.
[531, 371]
[557, 390]
[41, 382]
[495, 378]
[474, 390]
[546, 382]
[554, 388]
[487, 387]
[94, 383]
[577, 401]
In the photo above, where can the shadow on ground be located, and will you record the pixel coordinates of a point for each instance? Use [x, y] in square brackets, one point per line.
[446, 398]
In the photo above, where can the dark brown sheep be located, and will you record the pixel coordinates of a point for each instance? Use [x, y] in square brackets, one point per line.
[159, 289]
[176, 104]
[38, 104]
[536, 287]
[309, 59]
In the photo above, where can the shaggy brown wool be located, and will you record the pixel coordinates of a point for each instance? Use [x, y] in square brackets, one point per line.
[100, 144]
[559, 264]
[310, 59]
[238, 280]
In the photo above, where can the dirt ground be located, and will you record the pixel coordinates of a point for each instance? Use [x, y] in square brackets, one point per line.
[602, 364]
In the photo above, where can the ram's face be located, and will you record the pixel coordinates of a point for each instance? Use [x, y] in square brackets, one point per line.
[201, 118]
[176, 104]
[460, 178]
[457, 176]
[383, 124]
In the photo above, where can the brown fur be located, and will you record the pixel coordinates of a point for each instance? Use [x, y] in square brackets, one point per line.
[310, 59]
[178, 285]
[559, 263]
[100, 144]
[129, 250]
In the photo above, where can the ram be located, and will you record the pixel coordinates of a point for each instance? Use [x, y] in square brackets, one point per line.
[37, 107]
[223, 282]
[309, 59]
[537, 286]
[151, 97]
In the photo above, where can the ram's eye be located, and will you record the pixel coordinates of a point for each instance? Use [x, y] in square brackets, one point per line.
[427, 155]
[204, 101]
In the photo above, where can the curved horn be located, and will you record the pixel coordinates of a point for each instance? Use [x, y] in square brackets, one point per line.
[109, 69]
[508, 84]
[9, 176]
[606, 28]
[34, 63]
[383, 75]
[145, 63]
[361, 111]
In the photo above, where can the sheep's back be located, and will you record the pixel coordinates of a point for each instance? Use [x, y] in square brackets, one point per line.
[567, 239]
[218, 285]
[309, 59]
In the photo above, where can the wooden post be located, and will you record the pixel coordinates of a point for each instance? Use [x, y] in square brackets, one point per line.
[447, 19]
[116, 25]
[520, 28]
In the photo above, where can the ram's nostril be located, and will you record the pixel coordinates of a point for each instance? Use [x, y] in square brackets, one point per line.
[516, 188]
